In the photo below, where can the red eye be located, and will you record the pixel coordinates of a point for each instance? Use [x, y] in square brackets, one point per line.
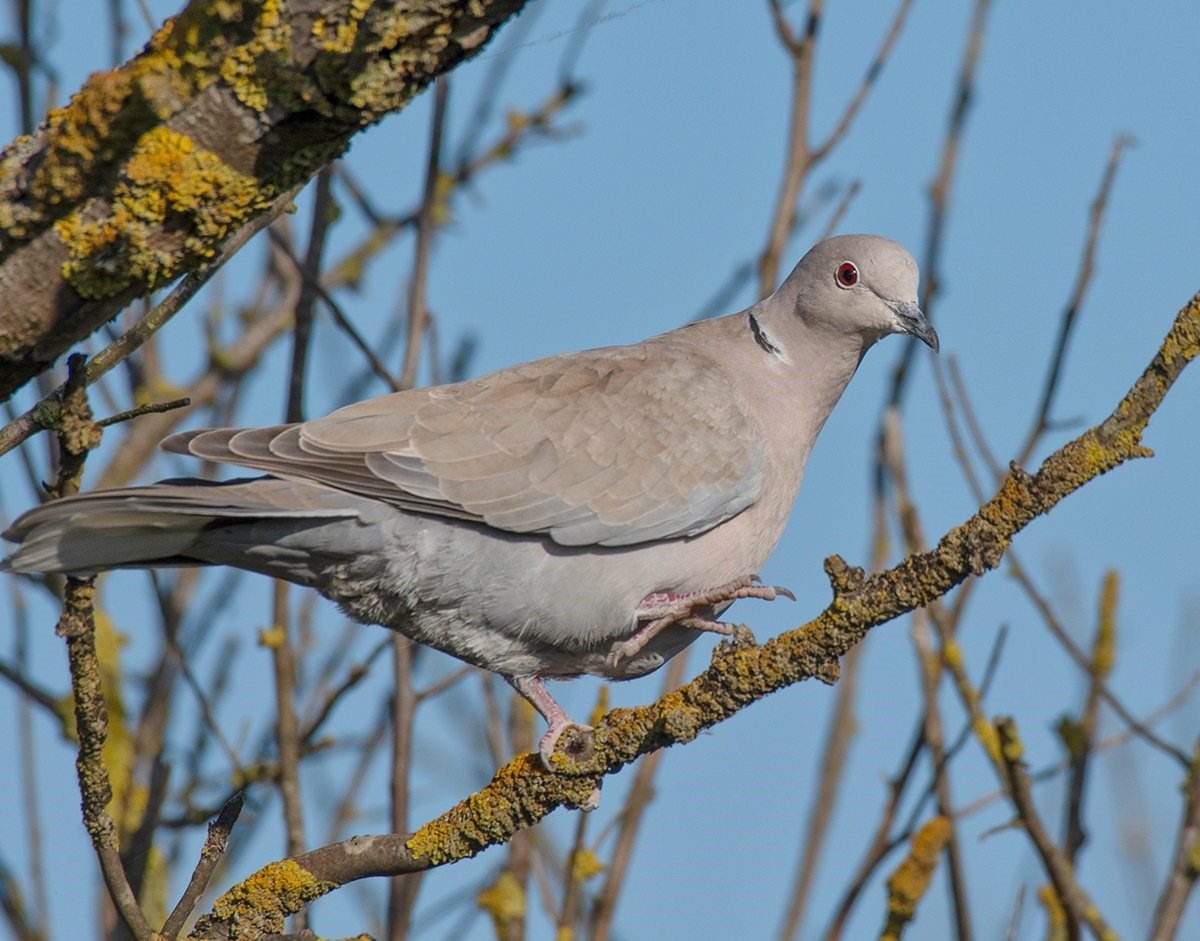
[847, 274]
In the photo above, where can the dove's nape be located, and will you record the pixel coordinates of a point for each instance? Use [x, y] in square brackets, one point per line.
[585, 513]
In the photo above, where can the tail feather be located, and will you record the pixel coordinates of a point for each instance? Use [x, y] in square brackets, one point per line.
[155, 525]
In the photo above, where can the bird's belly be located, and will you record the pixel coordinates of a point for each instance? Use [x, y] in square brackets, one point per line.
[521, 605]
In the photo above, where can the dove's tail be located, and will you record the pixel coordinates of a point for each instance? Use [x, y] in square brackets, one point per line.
[246, 523]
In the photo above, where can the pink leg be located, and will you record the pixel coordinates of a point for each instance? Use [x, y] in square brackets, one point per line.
[663, 610]
[532, 688]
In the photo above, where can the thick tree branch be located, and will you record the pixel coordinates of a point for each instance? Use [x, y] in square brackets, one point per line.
[151, 167]
[523, 792]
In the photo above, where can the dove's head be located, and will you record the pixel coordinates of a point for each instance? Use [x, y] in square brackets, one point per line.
[858, 285]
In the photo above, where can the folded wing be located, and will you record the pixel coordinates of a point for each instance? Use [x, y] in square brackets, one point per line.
[611, 447]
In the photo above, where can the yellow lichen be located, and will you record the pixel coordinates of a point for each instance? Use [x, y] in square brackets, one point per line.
[585, 865]
[911, 878]
[1104, 651]
[265, 899]
[272, 637]
[252, 68]
[339, 34]
[504, 900]
[985, 732]
[1056, 916]
[173, 205]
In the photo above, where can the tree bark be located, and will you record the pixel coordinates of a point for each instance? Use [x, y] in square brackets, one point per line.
[152, 166]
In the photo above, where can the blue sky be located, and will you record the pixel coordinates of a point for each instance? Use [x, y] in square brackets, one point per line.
[626, 229]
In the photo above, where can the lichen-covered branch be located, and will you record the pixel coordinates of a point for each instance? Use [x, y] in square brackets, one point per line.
[77, 435]
[741, 672]
[909, 883]
[151, 167]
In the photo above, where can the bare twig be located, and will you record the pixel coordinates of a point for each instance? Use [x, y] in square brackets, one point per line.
[1081, 660]
[402, 890]
[310, 273]
[842, 207]
[641, 793]
[148, 408]
[1168, 914]
[1071, 894]
[939, 191]
[802, 156]
[1079, 737]
[210, 857]
[339, 316]
[287, 731]
[832, 762]
[418, 313]
[77, 435]
[1083, 279]
[911, 879]
[930, 664]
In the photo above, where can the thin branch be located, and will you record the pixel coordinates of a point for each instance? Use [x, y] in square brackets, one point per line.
[1080, 737]
[210, 857]
[310, 277]
[641, 793]
[339, 315]
[870, 77]
[1168, 914]
[842, 207]
[940, 190]
[1082, 661]
[402, 890]
[1083, 279]
[147, 408]
[418, 312]
[1070, 893]
[287, 733]
[77, 626]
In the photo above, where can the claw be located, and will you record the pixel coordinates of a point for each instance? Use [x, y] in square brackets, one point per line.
[664, 610]
[532, 688]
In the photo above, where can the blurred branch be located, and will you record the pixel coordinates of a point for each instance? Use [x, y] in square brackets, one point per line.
[1084, 663]
[339, 316]
[939, 191]
[1083, 279]
[523, 792]
[801, 155]
[909, 882]
[1078, 905]
[835, 751]
[1185, 865]
[402, 890]
[310, 274]
[1080, 737]
[641, 793]
[930, 664]
[418, 284]
[520, 129]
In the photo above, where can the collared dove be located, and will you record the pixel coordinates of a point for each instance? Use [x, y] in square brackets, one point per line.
[585, 513]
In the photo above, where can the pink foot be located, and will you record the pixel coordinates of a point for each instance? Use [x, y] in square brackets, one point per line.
[532, 688]
[663, 610]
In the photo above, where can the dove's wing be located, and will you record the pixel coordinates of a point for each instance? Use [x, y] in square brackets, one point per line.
[609, 447]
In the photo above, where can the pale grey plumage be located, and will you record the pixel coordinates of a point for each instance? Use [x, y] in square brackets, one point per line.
[519, 520]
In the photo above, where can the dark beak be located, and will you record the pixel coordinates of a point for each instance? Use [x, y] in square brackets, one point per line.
[914, 322]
